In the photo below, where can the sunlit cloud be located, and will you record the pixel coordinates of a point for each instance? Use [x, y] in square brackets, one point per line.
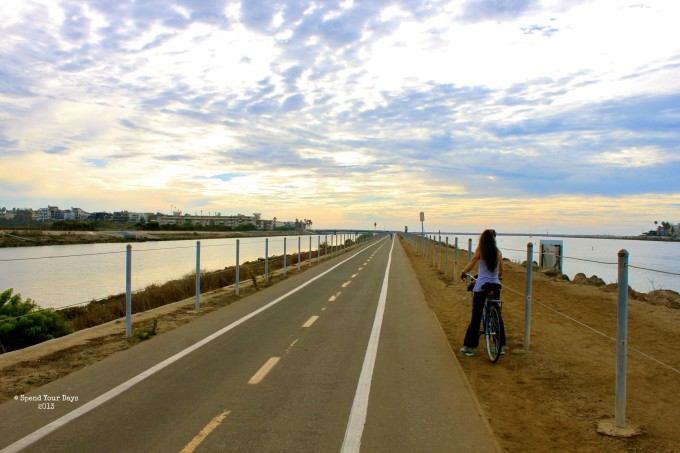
[637, 157]
[520, 114]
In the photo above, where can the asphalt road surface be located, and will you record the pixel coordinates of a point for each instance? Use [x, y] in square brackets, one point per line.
[345, 357]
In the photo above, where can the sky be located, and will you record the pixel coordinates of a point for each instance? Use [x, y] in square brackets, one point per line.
[518, 115]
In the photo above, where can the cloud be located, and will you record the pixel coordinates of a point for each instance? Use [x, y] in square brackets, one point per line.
[637, 157]
[314, 105]
[56, 150]
[480, 10]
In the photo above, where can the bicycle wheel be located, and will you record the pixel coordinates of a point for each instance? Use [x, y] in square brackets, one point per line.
[493, 333]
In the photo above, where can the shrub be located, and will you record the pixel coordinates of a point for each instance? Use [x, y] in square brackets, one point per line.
[23, 323]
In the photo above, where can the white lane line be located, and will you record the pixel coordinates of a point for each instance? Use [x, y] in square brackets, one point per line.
[346, 284]
[114, 392]
[335, 296]
[357, 417]
[354, 275]
[310, 321]
[361, 268]
[205, 432]
[264, 371]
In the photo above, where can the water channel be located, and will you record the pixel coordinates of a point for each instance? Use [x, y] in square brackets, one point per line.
[59, 276]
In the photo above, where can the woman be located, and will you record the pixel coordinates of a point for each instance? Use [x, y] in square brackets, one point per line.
[490, 271]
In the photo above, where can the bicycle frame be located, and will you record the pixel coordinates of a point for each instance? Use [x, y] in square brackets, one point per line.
[491, 320]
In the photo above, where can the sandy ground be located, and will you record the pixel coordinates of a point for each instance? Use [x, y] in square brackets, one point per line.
[551, 397]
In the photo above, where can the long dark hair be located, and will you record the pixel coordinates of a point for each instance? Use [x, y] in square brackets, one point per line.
[488, 249]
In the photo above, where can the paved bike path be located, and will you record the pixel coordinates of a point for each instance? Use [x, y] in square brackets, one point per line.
[419, 397]
[418, 383]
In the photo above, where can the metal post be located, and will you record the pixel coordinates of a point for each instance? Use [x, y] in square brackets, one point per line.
[527, 300]
[455, 260]
[285, 255]
[299, 254]
[310, 250]
[238, 270]
[621, 340]
[439, 253]
[266, 260]
[318, 249]
[128, 291]
[446, 259]
[467, 279]
[198, 276]
[433, 248]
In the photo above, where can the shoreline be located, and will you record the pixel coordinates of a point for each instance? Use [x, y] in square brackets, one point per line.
[575, 236]
[8, 238]
[33, 238]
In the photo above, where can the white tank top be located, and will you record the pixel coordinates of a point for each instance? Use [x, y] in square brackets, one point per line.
[485, 276]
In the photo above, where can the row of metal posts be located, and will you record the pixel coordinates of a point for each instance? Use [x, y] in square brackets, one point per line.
[424, 244]
[336, 247]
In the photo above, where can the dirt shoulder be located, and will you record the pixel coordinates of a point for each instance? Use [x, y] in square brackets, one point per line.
[552, 396]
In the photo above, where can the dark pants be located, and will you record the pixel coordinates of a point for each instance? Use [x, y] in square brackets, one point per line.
[472, 334]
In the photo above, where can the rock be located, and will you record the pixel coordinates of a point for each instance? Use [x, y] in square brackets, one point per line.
[534, 265]
[664, 297]
[551, 272]
[595, 281]
[580, 278]
[562, 277]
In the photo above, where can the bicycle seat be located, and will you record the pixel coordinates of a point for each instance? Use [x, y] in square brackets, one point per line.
[491, 288]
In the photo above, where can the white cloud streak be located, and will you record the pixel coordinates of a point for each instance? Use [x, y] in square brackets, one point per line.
[350, 109]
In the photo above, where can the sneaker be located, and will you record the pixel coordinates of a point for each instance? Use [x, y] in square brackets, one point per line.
[502, 350]
[467, 351]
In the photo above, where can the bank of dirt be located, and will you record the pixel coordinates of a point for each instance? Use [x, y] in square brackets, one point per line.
[32, 238]
[553, 396]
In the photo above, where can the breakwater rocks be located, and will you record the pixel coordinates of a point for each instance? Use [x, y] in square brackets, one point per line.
[665, 297]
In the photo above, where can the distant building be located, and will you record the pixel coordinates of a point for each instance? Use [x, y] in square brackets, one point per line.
[140, 217]
[101, 216]
[49, 214]
[75, 214]
[232, 221]
[121, 216]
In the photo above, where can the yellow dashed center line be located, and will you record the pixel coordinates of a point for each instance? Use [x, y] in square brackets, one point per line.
[205, 432]
[264, 371]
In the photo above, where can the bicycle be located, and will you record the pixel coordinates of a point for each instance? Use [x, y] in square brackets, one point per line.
[492, 322]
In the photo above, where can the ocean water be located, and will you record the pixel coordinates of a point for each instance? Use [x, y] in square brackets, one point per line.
[651, 263]
[59, 276]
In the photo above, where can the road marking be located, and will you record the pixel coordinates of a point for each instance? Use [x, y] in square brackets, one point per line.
[264, 371]
[114, 392]
[354, 275]
[360, 268]
[346, 284]
[291, 346]
[335, 296]
[357, 417]
[205, 432]
[310, 321]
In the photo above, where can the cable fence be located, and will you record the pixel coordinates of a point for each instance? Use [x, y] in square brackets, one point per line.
[235, 260]
[430, 246]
